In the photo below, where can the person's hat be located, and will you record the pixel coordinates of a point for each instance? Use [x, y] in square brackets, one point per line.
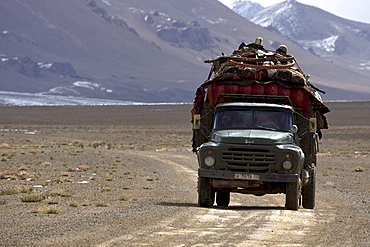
[259, 41]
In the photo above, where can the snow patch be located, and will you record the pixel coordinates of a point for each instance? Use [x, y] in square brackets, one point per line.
[339, 28]
[63, 91]
[365, 65]
[106, 2]
[135, 10]
[325, 45]
[28, 99]
[45, 65]
[86, 84]
[217, 21]
[91, 85]
[162, 89]
[246, 8]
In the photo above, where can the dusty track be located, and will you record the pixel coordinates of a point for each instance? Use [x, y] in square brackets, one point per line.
[248, 221]
[144, 155]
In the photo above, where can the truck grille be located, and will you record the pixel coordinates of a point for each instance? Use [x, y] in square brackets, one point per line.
[248, 159]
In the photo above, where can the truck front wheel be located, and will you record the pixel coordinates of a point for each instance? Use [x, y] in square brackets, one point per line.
[292, 191]
[223, 198]
[206, 194]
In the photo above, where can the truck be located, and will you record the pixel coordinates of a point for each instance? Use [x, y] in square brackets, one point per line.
[257, 121]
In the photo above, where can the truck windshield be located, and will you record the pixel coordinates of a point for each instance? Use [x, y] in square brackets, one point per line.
[253, 119]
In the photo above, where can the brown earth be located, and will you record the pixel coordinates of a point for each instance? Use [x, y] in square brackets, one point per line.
[126, 176]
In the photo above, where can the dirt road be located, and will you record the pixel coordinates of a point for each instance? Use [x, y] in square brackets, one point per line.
[249, 220]
[130, 179]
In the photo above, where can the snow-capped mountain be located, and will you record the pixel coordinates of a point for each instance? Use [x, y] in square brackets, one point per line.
[338, 40]
[246, 8]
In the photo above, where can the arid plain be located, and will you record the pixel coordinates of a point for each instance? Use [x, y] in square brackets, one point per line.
[126, 176]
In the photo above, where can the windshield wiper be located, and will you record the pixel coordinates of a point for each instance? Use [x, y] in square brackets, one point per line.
[266, 128]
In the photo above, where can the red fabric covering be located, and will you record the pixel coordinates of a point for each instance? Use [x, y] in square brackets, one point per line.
[299, 97]
[198, 101]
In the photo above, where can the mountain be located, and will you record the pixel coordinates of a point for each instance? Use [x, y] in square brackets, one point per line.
[335, 39]
[246, 8]
[128, 50]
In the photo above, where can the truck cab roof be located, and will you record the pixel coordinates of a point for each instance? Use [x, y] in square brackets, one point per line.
[254, 105]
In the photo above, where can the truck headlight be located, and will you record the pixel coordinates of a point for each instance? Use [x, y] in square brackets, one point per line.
[209, 161]
[287, 165]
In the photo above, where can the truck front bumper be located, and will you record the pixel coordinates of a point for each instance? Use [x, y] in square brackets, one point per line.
[230, 175]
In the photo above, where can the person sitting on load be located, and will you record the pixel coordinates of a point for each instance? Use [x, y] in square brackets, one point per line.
[257, 44]
[282, 49]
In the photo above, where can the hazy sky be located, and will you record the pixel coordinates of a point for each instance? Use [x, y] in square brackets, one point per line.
[357, 10]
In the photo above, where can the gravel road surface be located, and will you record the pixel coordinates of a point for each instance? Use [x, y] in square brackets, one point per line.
[125, 176]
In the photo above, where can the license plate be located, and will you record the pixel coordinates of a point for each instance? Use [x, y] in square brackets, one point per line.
[246, 176]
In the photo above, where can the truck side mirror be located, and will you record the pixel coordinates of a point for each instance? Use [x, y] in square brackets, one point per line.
[313, 125]
[293, 129]
[196, 122]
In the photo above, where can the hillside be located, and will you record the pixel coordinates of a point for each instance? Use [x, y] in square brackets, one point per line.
[147, 51]
[337, 40]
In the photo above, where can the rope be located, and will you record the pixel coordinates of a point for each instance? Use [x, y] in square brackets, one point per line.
[262, 66]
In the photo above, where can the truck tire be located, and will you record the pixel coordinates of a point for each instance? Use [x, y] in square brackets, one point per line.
[223, 198]
[292, 191]
[308, 192]
[206, 194]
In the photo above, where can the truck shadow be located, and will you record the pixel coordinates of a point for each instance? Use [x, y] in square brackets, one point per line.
[235, 208]
[174, 204]
[248, 208]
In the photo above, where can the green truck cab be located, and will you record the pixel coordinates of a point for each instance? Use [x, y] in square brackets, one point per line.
[254, 149]
[256, 126]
